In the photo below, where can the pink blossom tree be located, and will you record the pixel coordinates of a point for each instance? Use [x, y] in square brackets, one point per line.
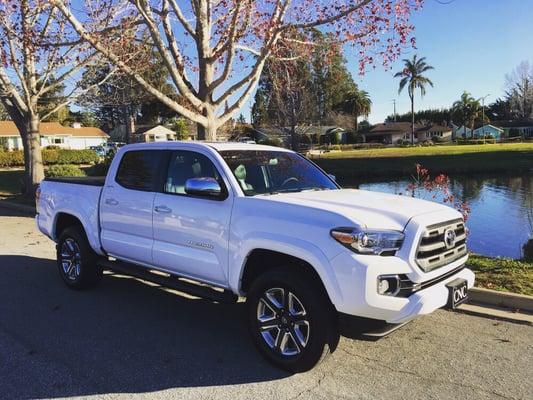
[38, 55]
[215, 50]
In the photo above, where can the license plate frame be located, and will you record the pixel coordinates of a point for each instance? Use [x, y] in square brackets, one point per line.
[457, 293]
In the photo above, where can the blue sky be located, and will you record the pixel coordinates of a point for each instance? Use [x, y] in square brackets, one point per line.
[471, 43]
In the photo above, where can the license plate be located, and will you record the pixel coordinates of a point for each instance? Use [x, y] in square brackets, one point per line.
[458, 292]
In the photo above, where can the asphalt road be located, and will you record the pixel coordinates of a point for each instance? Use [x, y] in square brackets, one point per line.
[127, 339]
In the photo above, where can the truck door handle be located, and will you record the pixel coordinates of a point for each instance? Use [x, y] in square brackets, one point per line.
[111, 202]
[162, 209]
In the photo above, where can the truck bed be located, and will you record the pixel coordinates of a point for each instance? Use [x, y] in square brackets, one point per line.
[84, 180]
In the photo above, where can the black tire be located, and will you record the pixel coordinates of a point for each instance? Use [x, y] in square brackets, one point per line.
[83, 271]
[321, 332]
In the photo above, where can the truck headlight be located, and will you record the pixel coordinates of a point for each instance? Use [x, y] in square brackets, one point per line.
[369, 241]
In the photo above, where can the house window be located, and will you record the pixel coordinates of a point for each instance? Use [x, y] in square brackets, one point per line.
[58, 140]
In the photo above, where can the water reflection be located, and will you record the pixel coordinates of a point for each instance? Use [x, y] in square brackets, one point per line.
[501, 209]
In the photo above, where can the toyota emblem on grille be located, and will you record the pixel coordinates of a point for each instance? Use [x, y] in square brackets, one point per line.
[449, 238]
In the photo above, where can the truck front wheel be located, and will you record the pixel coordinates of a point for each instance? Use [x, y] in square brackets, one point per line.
[290, 319]
[76, 260]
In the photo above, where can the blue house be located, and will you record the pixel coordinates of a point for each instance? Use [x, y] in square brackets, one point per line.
[487, 130]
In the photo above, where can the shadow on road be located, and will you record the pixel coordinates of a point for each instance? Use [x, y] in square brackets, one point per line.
[122, 337]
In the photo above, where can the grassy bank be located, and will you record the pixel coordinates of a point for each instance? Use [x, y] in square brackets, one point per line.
[502, 274]
[399, 162]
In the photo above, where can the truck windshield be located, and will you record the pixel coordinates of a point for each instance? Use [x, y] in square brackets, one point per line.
[270, 172]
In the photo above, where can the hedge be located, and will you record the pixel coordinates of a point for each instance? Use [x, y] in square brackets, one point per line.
[50, 157]
[63, 170]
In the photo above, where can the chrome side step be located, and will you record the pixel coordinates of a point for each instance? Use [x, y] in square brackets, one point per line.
[170, 281]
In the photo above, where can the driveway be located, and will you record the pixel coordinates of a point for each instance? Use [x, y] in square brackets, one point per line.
[128, 338]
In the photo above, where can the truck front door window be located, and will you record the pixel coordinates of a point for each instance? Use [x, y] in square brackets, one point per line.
[185, 165]
[263, 172]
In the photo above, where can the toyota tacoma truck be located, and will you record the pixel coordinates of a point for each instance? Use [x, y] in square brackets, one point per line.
[230, 220]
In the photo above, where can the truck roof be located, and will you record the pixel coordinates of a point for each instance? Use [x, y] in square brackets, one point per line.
[218, 146]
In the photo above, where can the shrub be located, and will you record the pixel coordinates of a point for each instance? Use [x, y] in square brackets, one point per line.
[77, 157]
[354, 137]
[52, 147]
[437, 139]
[11, 158]
[63, 170]
[101, 168]
[50, 156]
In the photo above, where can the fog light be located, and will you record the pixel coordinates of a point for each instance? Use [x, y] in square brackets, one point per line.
[388, 285]
[383, 286]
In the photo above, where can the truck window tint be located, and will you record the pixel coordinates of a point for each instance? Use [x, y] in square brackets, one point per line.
[139, 170]
[270, 171]
[187, 164]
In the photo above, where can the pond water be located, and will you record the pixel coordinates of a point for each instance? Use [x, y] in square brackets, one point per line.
[501, 216]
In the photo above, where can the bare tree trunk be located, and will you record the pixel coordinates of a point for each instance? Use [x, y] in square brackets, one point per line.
[35, 169]
[129, 122]
[294, 138]
[356, 122]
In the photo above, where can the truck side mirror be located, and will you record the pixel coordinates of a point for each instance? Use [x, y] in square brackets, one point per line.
[206, 187]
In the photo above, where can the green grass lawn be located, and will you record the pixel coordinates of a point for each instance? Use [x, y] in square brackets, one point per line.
[430, 151]
[502, 274]
[453, 159]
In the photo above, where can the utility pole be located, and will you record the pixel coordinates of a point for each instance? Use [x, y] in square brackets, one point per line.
[483, 114]
[394, 105]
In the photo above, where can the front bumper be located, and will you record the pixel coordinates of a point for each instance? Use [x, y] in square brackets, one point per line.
[357, 279]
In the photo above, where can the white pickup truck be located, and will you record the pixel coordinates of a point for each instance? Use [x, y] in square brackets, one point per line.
[223, 220]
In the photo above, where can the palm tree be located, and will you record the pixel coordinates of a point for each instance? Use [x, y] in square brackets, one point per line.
[357, 103]
[412, 78]
[467, 110]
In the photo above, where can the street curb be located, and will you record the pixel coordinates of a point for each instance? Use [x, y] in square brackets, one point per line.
[496, 298]
[18, 207]
[496, 313]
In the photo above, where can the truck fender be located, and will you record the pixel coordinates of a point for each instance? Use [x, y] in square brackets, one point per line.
[291, 246]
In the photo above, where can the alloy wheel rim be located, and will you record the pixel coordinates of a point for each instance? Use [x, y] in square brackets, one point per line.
[283, 321]
[71, 259]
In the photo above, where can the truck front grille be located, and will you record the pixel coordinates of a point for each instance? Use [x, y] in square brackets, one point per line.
[441, 244]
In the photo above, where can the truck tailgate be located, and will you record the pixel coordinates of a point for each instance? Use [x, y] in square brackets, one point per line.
[76, 197]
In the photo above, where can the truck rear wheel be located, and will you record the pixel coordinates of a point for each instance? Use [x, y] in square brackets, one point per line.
[76, 260]
[290, 319]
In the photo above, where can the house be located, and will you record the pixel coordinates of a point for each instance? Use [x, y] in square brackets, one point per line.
[428, 132]
[157, 133]
[488, 130]
[462, 132]
[54, 134]
[392, 132]
[517, 128]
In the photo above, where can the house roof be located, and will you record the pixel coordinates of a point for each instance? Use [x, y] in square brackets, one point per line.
[434, 128]
[392, 127]
[150, 130]
[8, 128]
[489, 126]
[402, 127]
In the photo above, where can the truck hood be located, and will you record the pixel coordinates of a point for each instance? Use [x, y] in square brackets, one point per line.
[373, 210]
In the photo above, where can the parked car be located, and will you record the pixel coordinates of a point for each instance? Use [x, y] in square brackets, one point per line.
[264, 223]
[99, 150]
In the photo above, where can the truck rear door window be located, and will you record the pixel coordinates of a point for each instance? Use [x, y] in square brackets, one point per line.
[141, 169]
